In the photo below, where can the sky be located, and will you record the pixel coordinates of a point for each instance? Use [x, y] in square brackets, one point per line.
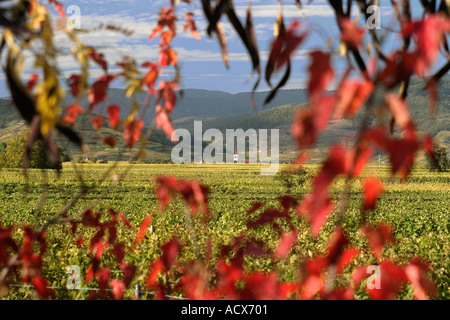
[200, 61]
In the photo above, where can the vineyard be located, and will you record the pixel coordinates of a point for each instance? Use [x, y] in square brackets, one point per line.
[75, 223]
[417, 210]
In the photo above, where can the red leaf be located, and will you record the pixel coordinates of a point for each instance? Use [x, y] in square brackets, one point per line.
[163, 121]
[321, 72]
[317, 211]
[170, 251]
[310, 122]
[40, 284]
[378, 237]
[132, 132]
[221, 38]
[416, 272]
[195, 284]
[288, 289]
[142, 230]
[260, 286]
[399, 67]
[255, 206]
[151, 76]
[124, 220]
[317, 265]
[155, 269]
[96, 122]
[155, 32]
[311, 286]
[164, 190]
[229, 275]
[336, 246]
[391, 279]
[32, 81]
[363, 155]
[119, 251]
[351, 96]
[304, 128]
[89, 274]
[399, 109]
[372, 190]
[98, 91]
[341, 294]
[74, 84]
[346, 257]
[351, 34]
[110, 141]
[118, 288]
[256, 248]
[96, 243]
[73, 111]
[103, 277]
[195, 195]
[113, 112]
[190, 24]
[287, 241]
[166, 18]
[283, 46]
[401, 151]
[287, 202]
[268, 216]
[79, 241]
[428, 34]
[128, 272]
[317, 205]
[59, 7]
[167, 92]
[358, 275]
[91, 219]
[99, 58]
[167, 56]
[290, 42]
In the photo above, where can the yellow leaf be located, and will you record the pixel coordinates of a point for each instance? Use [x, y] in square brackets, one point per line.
[130, 91]
[276, 29]
[49, 94]
[20, 64]
[133, 111]
[369, 49]
[37, 17]
[342, 49]
[9, 39]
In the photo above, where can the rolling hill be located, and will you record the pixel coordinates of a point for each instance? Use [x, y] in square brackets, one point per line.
[205, 103]
[436, 124]
[223, 111]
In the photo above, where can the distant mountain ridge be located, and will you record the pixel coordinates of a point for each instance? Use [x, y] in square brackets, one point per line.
[205, 103]
[223, 110]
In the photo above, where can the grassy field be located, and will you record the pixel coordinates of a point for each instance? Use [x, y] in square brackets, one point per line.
[418, 210]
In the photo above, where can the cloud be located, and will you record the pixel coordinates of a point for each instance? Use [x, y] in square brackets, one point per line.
[141, 17]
